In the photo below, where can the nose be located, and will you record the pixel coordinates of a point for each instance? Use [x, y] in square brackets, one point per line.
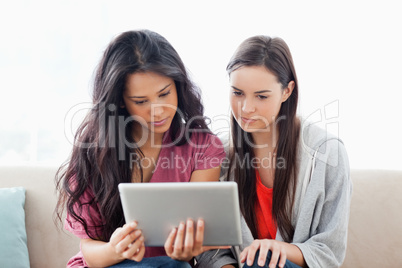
[247, 106]
[157, 110]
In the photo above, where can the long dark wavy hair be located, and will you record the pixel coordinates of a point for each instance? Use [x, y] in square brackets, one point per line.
[100, 160]
[273, 54]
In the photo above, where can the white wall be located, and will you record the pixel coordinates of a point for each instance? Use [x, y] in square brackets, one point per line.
[347, 55]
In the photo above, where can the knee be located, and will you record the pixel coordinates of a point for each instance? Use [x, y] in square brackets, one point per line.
[177, 264]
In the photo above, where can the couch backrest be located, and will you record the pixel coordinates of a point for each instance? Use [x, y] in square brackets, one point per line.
[48, 245]
[375, 225]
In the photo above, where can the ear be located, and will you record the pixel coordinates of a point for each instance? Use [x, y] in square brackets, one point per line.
[288, 91]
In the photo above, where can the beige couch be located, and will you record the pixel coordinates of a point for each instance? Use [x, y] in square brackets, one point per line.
[375, 229]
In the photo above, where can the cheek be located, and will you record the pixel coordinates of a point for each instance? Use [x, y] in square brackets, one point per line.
[173, 111]
[137, 111]
[234, 105]
[171, 107]
[173, 99]
[270, 109]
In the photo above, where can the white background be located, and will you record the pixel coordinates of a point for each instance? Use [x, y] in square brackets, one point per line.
[347, 55]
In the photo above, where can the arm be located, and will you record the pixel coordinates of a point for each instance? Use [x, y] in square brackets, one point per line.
[206, 175]
[320, 239]
[125, 243]
[331, 187]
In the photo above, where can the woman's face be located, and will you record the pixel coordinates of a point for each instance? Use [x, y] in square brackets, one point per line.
[256, 97]
[151, 100]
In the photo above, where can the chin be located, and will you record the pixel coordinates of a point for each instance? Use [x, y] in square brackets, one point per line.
[160, 129]
[249, 129]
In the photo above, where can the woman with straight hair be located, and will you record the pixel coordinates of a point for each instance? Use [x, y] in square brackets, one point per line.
[145, 110]
[293, 176]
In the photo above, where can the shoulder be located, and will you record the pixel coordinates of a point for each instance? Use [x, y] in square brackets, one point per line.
[205, 137]
[323, 156]
[191, 137]
[225, 139]
[312, 134]
[198, 142]
[318, 141]
[322, 151]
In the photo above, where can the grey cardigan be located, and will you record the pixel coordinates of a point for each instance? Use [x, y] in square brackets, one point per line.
[322, 203]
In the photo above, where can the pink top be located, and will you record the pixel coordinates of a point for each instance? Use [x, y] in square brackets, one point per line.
[175, 164]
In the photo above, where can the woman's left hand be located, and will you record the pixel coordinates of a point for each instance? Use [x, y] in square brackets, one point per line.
[183, 244]
[277, 249]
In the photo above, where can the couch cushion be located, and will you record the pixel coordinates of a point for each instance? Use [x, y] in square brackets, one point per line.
[48, 244]
[13, 246]
[375, 236]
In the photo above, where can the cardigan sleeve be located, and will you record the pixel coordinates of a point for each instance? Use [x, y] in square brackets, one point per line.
[321, 230]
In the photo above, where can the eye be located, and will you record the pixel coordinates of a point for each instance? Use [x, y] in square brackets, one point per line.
[140, 102]
[262, 97]
[164, 94]
[237, 93]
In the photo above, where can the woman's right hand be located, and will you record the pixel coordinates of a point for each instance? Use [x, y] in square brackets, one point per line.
[263, 246]
[128, 242]
[186, 241]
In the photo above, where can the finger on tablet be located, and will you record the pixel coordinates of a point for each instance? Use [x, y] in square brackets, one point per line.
[189, 237]
[125, 230]
[178, 243]
[170, 241]
[199, 234]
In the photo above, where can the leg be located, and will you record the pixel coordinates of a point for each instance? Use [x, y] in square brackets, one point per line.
[153, 262]
[288, 263]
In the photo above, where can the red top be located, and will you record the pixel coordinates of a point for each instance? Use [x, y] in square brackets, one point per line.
[263, 210]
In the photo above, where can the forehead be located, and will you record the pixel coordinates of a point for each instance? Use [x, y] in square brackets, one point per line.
[146, 83]
[254, 78]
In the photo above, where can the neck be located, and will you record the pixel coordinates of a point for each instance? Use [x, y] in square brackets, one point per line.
[265, 139]
[153, 140]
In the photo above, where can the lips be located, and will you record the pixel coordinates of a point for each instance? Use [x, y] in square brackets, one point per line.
[159, 123]
[248, 120]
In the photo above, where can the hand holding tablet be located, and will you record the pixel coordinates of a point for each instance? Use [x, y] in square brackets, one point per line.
[186, 241]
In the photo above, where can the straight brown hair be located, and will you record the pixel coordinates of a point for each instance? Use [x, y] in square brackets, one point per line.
[273, 54]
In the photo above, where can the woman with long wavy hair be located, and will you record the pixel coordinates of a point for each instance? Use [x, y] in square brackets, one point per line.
[145, 109]
[293, 177]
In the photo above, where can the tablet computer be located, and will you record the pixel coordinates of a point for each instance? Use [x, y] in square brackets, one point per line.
[159, 207]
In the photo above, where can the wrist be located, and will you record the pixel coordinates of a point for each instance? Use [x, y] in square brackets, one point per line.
[112, 253]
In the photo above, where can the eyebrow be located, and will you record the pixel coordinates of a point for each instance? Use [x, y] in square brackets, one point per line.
[142, 97]
[257, 92]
